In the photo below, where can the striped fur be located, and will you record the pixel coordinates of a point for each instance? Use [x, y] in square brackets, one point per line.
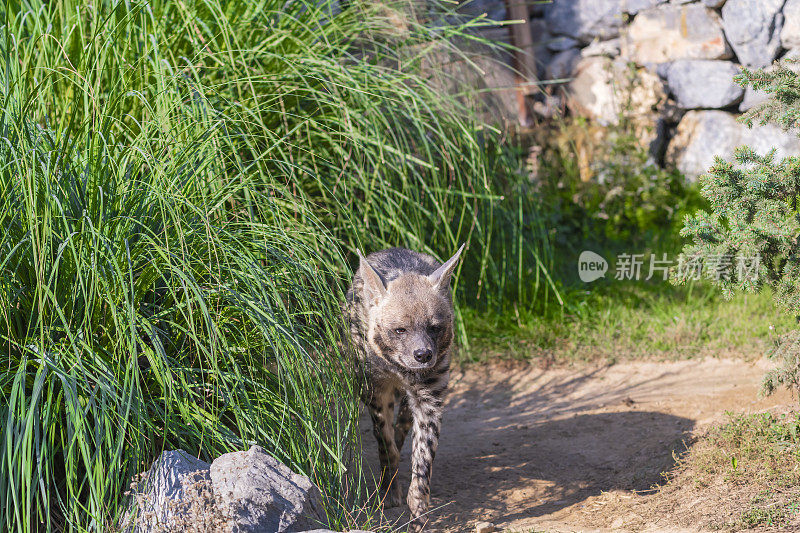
[400, 314]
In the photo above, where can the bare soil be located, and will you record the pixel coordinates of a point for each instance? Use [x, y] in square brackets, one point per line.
[581, 448]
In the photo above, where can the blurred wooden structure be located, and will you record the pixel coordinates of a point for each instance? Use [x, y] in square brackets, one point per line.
[524, 56]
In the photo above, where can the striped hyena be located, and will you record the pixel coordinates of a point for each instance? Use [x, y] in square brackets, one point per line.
[401, 320]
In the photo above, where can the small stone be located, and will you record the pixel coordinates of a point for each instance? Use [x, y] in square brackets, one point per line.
[608, 48]
[561, 43]
[484, 527]
[562, 65]
[752, 98]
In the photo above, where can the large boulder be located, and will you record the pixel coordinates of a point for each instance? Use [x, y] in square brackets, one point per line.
[269, 497]
[701, 135]
[163, 492]
[753, 29]
[672, 32]
[703, 83]
[240, 492]
[584, 20]
[790, 34]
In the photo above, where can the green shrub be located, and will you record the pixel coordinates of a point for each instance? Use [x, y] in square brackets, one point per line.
[748, 239]
[622, 200]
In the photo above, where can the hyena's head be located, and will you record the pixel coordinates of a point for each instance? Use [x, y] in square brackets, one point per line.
[410, 318]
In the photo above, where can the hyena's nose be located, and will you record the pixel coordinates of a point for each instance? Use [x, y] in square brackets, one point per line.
[424, 355]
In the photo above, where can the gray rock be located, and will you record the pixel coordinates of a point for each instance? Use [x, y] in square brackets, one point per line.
[672, 32]
[714, 3]
[753, 29]
[602, 89]
[634, 6]
[585, 19]
[269, 497]
[561, 43]
[476, 8]
[162, 490]
[608, 48]
[331, 531]
[790, 34]
[562, 65]
[244, 492]
[752, 98]
[701, 135]
[699, 83]
[542, 54]
[791, 60]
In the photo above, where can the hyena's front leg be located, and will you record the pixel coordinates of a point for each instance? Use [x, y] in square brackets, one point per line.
[381, 409]
[427, 423]
[405, 418]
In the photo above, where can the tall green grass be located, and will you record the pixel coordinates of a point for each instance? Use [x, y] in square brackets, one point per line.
[179, 181]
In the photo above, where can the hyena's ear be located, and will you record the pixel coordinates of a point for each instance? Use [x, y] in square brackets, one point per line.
[374, 287]
[440, 279]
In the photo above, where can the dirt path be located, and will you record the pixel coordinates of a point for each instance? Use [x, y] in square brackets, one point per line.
[564, 449]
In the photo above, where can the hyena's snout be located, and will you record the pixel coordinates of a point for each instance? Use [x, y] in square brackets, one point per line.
[423, 355]
[421, 351]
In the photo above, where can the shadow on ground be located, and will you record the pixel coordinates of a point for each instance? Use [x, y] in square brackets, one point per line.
[524, 446]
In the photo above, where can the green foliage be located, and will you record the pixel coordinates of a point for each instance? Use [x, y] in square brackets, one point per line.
[752, 214]
[134, 320]
[783, 84]
[623, 199]
[177, 182]
[752, 226]
[630, 320]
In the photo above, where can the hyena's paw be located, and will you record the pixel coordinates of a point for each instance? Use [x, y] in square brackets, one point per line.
[393, 497]
[419, 518]
[417, 525]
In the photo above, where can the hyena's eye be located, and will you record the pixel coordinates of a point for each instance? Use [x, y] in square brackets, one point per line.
[399, 331]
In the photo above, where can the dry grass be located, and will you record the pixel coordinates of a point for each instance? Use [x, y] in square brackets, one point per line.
[198, 509]
[743, 474]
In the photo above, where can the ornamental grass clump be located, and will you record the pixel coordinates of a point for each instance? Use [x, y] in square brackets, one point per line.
[179, 183]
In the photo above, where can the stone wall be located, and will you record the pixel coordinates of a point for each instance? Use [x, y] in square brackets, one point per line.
[670, 62]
